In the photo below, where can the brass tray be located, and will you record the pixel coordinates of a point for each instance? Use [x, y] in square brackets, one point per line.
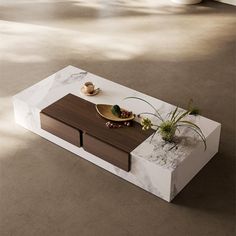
[104, 110]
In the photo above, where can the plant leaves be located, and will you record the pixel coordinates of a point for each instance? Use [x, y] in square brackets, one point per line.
[191, 123]
[141, 99]
[200, 135]
[149, 113]
[173, 115]
[181, 116]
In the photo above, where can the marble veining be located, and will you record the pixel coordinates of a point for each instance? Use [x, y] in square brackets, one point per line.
[165, 154]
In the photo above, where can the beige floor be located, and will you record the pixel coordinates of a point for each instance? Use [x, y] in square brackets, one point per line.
[173, 53]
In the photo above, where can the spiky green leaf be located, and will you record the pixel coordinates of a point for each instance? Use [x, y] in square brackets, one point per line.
[141, 99]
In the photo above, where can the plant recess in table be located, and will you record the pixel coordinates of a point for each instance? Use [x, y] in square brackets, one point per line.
[175, 119]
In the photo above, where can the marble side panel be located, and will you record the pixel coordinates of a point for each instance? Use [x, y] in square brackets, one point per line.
[196, 160]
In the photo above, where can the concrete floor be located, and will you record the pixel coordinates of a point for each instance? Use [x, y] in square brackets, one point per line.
[171, 52]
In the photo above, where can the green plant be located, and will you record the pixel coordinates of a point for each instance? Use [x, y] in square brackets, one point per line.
[193, 110]
[167, 127]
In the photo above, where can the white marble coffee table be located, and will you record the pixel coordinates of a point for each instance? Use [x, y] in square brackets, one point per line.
[156, 167]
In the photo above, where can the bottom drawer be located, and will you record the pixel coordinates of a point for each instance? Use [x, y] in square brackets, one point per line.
[61, 130]
[106, 152]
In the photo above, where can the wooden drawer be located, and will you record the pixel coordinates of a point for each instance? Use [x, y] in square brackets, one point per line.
[106, 152]
[60, 129]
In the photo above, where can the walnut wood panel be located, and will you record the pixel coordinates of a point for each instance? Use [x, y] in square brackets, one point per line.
[106, 152]
[71, 116]
[61, 130]
[82, 115]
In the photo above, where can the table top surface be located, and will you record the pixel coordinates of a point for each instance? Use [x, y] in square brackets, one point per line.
[71, 79]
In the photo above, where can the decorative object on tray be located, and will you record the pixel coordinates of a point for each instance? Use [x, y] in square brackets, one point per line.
[167, 127]
[89, 89]
[114, 113]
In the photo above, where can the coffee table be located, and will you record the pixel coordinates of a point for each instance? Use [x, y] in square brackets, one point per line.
[157, 167]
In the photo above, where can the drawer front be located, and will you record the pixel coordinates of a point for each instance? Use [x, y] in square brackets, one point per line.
[61, 130]
[106, 152]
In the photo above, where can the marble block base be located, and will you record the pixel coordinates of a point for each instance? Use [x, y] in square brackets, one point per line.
[156, 167]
